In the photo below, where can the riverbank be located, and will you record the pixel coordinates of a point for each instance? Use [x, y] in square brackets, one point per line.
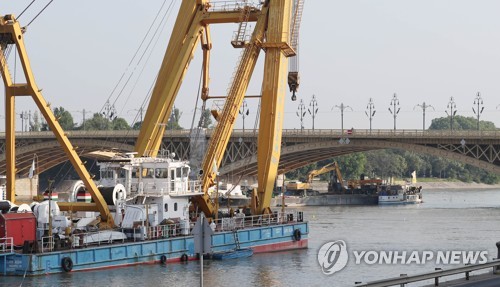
[323, 186]
[456, 185]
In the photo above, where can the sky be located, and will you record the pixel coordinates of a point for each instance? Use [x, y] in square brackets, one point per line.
[350, 51]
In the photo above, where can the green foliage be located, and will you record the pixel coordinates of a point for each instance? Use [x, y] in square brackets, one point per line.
[206, 119]
[65, 119]
[137, 126]
[460, 123]
[100, 122]
[173, 122]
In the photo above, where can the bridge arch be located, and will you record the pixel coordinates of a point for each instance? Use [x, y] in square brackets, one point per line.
[296, 156]
[50, 153]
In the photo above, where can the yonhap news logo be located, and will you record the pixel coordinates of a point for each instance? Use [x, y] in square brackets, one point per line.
[333, 257]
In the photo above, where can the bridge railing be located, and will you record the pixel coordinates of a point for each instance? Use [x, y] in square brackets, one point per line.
[237, 133]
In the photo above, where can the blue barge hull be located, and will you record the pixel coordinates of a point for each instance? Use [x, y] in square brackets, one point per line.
[175, 249]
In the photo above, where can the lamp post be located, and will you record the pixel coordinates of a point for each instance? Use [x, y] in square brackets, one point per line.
[314, 108]
[480, 107]
[244, 112]
[395, 111]
[453, 111]
[370, 112]
[342, 107]
[301, 112]
[424, 106]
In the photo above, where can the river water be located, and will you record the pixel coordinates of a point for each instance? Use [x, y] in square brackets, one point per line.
[447, 220]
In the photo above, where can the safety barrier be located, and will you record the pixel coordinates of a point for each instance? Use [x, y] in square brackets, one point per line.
[6, 245]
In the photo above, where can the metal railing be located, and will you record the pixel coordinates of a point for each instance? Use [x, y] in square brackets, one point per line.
[240, 221]
[47, 244]
[232, 6]
[6, 245]
[237, 133]
[405, 279]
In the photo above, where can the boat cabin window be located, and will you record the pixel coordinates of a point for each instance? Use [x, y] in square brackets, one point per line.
[179, 172]
[107, 173]
[166, 207]
[161, 173]
[185, 171]
[149, 173]
[122, 173]
[175, 206]
[135, 173]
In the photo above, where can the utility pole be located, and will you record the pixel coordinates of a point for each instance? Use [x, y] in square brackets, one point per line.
[24, 120]
[480, 107]
[396, 108]
[453, 110]
[244, 111]
[84, 113]
[314, 107]
[424, 106]
[370, 112]
[342, 107]
[301, 112]
[29, 122]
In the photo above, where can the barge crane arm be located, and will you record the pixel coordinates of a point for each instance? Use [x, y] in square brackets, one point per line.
[271, 33]
[327, 168]
[11, 33]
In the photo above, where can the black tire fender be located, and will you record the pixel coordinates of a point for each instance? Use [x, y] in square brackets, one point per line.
[184, 257]
[163, 259]
[297, 234]
[67, 264]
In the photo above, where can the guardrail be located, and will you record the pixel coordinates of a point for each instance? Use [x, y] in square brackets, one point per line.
[6, 245]
[405, 279]
[47, 244]
[240, 221]
[237, 133]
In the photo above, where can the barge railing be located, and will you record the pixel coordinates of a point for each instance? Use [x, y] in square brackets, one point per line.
[6, 245]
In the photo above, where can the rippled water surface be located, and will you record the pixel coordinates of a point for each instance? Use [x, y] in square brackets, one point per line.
[447, 220]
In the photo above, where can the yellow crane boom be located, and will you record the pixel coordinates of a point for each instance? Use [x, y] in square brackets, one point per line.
[271, 34]
[11, 33]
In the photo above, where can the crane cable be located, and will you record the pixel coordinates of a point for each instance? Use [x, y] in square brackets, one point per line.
[116, 86]
[20, 14]
[43, 9]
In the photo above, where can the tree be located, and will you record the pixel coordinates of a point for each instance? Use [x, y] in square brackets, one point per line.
[137, 125]
[64, 118]
[100, 122]
[460, 123]
[173, 122]
[120, 124]
[206, 119]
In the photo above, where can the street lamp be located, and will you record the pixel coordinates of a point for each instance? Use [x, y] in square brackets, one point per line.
[424, 106]
[370, 112]
[301, 112]
[480, 107]
[453, 111]
[396, 108]
[314, 107]
[244, 112]
[342, 107]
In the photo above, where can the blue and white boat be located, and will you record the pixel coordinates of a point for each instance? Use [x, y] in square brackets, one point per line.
[149, 199]
[399, 194]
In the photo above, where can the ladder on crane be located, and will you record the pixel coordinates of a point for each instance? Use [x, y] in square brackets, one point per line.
[297, 17]
[240, 38]
[293, 72]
